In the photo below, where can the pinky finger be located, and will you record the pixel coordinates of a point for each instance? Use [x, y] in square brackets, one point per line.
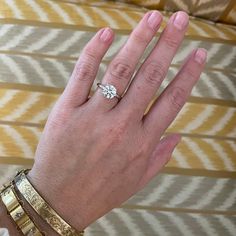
[86, 68]
[159, 157]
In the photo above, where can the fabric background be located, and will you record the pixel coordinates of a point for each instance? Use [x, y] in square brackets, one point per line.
[215, 10]
[195, 194]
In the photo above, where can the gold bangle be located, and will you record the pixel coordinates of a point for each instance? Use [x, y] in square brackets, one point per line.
[15, 210]
[42, 207]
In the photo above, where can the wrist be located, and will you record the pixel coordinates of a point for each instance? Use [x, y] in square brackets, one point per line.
[56, 200]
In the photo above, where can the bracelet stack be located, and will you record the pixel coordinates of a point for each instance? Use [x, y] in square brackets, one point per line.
[25, 223]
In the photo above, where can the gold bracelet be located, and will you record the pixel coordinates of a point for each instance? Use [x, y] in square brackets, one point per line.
[24, 223]
[42, 207]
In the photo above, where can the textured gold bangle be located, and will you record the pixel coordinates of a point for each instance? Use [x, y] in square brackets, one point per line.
[42, 207]
[15, 210]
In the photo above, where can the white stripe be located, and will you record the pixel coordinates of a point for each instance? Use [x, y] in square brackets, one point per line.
[211, 194]
[154, 223]
[86, 17]
[22, 107]
[208, 84]
[227, 81]
[228, 59]
[229, 165]
[180, 158]
[3, 151]
[127, 220]
[158, 192]
[229, 202]
[199, 119]
[204, 224]
[199, 30]
[196, 149]
[222, 122]
[61, 68]
[14, 68]
[19, 141]
[41, 72]
[38, 10]
[43, 41]
[14, 8]
[75, 38]
[107, 226]
[57, 8]
[4, 29]
[179, 223]
[42, 115]
[105, 16]
[187, 191]
[126, 17]
[229, 226]
[15, 41]
[8, 96]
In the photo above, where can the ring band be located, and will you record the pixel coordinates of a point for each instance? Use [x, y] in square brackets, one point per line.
[109, 91]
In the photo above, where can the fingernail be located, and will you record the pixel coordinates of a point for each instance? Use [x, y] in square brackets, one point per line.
[105, 35]
[181, 20]
[154, 19]
[200, 55]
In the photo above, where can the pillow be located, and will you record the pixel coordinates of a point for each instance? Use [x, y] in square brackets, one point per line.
[215, 10]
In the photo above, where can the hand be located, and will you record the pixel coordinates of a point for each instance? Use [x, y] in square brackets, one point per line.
[96, 153]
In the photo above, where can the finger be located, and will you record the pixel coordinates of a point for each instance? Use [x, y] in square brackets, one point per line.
[159, 157]
[122, 67]
[85, 70]
[167, 106]
[154, 69]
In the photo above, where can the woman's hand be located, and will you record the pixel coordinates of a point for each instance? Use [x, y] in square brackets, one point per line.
[96, 153]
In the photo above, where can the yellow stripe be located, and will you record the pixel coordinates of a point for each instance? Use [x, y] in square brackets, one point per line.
[229, 127]
[177, 210]
[99, 22]
[10, 147]
[14, 103]
[44, 101]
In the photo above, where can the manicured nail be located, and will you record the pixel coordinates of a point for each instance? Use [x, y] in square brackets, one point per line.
[106, 35]
[181, 20]
[200, 55]
[154, 19]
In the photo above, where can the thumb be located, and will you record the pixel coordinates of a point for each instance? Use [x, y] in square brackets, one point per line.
[160, 157]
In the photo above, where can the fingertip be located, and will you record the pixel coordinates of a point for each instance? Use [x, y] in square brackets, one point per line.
[200, 55]
[106, 34]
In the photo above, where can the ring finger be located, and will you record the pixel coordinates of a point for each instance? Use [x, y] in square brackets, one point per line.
[122, 67]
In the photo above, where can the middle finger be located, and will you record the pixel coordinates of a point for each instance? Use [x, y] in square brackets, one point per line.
[122, 67]
[154, 69]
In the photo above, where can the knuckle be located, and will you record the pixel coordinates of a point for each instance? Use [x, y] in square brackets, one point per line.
[154, 74]
[171, 41]
[84, 71]
[140, 38]
[177, 98]
[121, 70]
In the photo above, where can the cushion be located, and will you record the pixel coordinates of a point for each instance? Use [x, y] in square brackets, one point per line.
[215, 10]
[40, 41]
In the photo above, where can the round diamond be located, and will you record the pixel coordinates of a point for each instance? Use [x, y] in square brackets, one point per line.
[109, 91]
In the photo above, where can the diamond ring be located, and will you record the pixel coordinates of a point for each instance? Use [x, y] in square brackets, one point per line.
[109, 91]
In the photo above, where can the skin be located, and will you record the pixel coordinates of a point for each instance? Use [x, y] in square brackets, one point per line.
[96, 153]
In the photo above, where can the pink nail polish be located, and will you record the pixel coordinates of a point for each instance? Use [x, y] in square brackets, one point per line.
[154, 19]
[105, 35]
[181, 20]
[200, 55]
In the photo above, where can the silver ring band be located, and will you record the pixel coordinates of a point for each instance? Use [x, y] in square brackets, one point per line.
[109, 91]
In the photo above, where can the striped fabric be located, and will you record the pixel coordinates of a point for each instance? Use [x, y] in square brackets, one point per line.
[195, 194]
[215, 10]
